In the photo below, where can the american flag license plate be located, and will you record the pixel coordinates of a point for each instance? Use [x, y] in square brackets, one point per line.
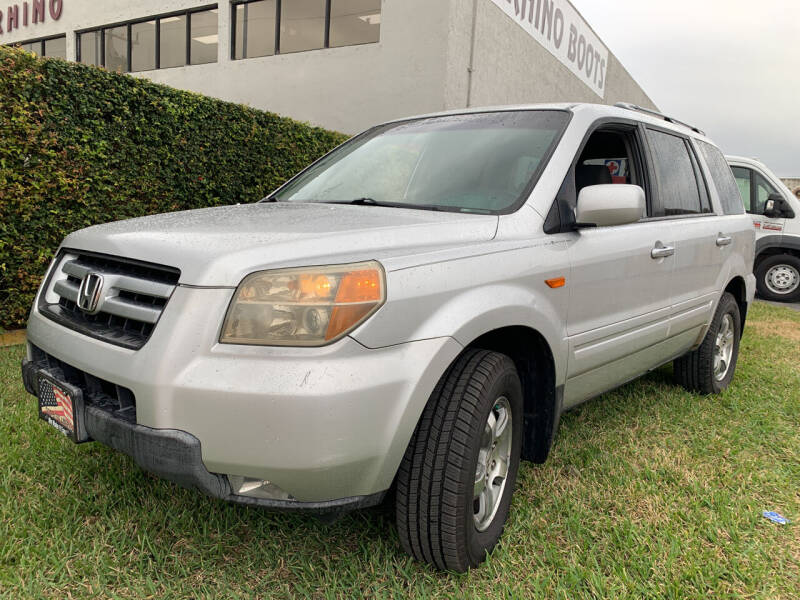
[57, 406]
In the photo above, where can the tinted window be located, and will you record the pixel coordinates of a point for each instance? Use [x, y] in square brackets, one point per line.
[117, 49]
[143, 46]
[205, 37]
[355, 22]
[255, 29]
[302, 25]
[721, 175]
[678, 190]
[56, 48]
[173, 42]
[90, 48]
[742, 177]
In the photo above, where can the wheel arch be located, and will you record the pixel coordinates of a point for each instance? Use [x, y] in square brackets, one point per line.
[542, 398]
[738, 289]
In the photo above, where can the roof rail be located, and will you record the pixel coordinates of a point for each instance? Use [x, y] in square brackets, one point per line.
[655, 113]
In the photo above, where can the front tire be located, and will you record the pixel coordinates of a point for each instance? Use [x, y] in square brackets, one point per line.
[710, 368]
[455, 483]
[778, 278]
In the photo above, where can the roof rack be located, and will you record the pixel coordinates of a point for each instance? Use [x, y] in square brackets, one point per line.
[655, 113]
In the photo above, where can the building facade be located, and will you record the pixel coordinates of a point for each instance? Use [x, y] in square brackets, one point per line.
[341, 64]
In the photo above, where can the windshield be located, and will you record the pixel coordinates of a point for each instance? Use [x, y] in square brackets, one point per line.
[483, 163]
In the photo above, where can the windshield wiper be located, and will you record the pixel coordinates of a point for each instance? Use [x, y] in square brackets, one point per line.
[373, 202]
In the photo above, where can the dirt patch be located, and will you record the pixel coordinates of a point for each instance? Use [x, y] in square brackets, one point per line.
[789, 330]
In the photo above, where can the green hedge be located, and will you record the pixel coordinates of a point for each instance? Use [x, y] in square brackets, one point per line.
[81, 146]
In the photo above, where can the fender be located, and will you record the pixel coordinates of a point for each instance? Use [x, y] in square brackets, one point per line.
[448, 299]
[777, 241]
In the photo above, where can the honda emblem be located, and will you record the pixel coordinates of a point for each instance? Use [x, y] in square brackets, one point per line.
[89, 292]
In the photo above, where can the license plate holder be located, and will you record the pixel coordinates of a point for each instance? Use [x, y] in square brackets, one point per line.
[61, 405]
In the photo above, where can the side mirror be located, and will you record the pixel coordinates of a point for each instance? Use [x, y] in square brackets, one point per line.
[610, 204]
[776, 207]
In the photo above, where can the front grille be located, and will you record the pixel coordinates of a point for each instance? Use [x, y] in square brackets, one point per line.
[107, 396]
[134, 294]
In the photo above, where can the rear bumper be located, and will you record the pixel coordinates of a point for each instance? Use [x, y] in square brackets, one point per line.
[175, 456]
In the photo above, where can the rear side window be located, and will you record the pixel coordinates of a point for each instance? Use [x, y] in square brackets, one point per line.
[729, 194]
[678, 187]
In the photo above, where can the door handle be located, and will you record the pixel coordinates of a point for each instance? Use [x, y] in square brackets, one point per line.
[661, 251]
[724, 240]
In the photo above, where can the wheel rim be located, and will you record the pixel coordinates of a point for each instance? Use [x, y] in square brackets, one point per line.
[782, 279]
[723, 348]
[494, 458]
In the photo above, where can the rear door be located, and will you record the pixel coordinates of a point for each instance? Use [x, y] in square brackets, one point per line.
[701, 240]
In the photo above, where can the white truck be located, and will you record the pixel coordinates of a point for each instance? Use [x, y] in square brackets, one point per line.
[774, 209]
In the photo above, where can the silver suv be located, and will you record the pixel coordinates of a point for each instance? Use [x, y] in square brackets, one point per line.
[412, 312]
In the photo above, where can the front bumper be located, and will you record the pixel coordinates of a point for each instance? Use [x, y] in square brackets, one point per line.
[323, 424]
[175, 455]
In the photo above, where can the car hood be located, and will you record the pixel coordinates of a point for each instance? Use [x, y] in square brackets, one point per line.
[219, 246]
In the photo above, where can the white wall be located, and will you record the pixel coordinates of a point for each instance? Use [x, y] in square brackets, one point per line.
[420, 65]
[512, 68]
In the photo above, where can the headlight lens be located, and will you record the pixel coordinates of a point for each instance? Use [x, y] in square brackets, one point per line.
[303, 307]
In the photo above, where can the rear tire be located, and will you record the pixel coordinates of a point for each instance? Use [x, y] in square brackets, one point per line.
[778, 278]
[710, 368]
[453, 491]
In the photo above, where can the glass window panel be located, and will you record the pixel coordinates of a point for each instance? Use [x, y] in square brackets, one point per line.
[255, 29]
[723, 179]
[302, 25]
[90, 48]
[679, 193]
[355, 22]
[35, 47]
[763, 191]
[173, 41]
[743, 183]
[143, 46]
[205, 37]
[56, 48]
[117, 49]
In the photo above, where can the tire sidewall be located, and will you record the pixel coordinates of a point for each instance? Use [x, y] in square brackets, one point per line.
[479, 543]
[761, 277]
[727, 305]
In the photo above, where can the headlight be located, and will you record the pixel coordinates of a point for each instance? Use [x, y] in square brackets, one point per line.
[303, 307]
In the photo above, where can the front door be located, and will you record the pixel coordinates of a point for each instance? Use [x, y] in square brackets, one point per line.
[619, 287]
[755, 189]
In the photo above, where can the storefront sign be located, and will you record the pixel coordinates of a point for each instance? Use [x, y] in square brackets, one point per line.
[557, 26]
[28, 13]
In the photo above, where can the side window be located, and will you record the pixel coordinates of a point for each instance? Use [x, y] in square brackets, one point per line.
[611, 155]
[743, 179]
[763, 189]
[678, 187]
[721, 175]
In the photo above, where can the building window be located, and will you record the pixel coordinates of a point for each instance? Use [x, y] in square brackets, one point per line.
[116, 49]
[143, 46]
[173, 40]
[54, 47]
[355, 22]
[254, 29]
[205, 37]
[266, 27]
[90, 48]
[302, 25]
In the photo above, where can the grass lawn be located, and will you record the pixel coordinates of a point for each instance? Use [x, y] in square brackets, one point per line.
[649, 492]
